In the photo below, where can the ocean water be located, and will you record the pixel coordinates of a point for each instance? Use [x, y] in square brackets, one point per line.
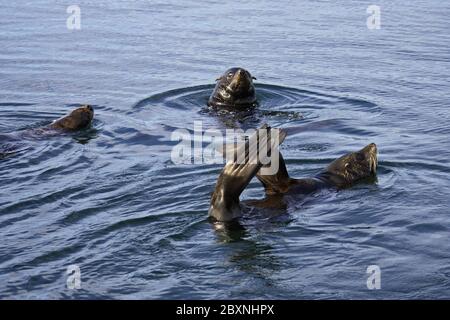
[110, 200]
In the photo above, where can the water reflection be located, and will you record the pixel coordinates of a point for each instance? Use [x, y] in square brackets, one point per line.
[84, 136]
[229, 231]
[246, 252]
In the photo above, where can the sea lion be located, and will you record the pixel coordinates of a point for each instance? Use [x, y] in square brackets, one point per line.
[234, 89]
[341, 173]
[78, 119]
[234, 178]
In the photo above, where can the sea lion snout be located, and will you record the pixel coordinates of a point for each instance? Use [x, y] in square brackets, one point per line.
[234, 88]
[236, 80]
[240, 82]
[371, 148]
[86, 109]
[371, 151]
[91, 111]
[370, 157]
[353, 166]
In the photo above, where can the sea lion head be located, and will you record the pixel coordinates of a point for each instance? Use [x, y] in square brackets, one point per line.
[234, 88]
[353, 167]
[78, 119]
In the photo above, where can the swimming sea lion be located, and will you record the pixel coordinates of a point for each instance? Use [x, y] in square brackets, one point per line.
[78, 119]
[234, 178]
[341, 173]
[234, 89]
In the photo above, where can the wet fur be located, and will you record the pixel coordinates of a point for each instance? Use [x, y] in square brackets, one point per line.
[341, 173]
[234, 89]
[78, 119]
[235, 177]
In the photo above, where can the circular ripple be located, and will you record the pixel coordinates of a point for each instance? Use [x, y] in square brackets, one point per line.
[277, 105]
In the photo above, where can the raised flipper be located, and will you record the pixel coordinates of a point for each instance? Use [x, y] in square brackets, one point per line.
[278, 182]
[239, 171]
[273, 183]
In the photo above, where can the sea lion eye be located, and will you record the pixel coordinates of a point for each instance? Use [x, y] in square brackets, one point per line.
[230, 74]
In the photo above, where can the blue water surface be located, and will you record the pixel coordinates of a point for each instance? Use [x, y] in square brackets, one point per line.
[111, 201]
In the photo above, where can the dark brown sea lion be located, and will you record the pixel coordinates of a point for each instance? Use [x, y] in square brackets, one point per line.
[234, 178]
[78, 119]
[234, 89]
[341, 173]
